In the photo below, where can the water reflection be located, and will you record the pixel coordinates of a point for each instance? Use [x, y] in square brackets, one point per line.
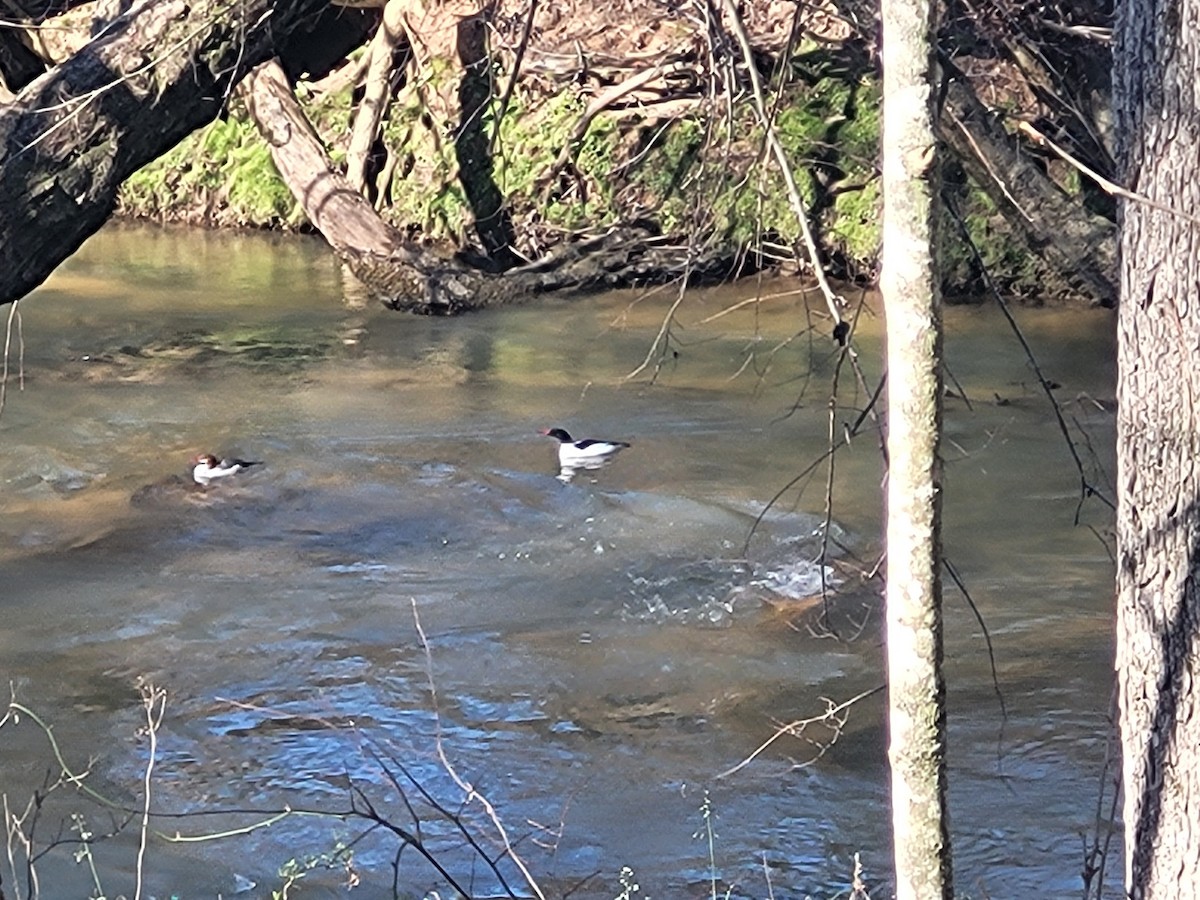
[568, 471]
[589, 653]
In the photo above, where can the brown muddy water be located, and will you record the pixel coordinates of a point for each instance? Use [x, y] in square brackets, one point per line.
[595, 654]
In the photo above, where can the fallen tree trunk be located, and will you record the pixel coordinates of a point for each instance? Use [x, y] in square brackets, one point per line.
[73, 135]
[1079, 247]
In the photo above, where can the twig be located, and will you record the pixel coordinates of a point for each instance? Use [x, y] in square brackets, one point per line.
[14, 315]
[1086, 489]
[987, 639]
[440, 808]
[662, 340]
[1104, 822]
[178, 838]
[766, 866]
[471, 793]
[1109, 187]
[831, 457]
[792, 482]
[522, 46]
[407, 838]
[789, 180]
[811, 466]
[75, 779]
[15, 835]
[154, 702]
[858, 888]
[755, 300]
[598, 104]
[791, 727]
[376, 93]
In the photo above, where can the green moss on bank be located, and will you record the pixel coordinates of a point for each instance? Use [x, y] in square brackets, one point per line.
[690, 174]
[720, 177]
[220, 175]
[223, 175]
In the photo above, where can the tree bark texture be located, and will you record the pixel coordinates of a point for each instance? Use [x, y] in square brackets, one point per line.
[402, 275]
[909, 283]
[1156, 68]
[1080, 247]
[73, 135]
[388, 48]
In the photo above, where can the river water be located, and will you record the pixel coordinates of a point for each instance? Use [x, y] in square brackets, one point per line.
[404, 592]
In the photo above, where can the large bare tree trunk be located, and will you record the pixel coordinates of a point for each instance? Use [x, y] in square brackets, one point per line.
[1157, 66]
[73, 135]
[909, 282]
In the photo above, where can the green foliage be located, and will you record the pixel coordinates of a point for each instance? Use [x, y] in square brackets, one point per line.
[829, 130]
[431, 200]
[1014, 268]
[532, 138]
[222, 174]
[856, 222]
[291, 873]
[706, 176]
[674, 152]
[255, 190]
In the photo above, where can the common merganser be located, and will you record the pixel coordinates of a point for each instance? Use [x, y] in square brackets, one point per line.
[586, 454]
[206, 467]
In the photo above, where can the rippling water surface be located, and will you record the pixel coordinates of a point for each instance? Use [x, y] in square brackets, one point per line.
[404, 593]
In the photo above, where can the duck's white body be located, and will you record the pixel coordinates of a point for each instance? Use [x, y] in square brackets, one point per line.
[586, 454]
[206, 468]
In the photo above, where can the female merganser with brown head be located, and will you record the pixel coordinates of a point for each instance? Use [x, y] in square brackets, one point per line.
[207, 467]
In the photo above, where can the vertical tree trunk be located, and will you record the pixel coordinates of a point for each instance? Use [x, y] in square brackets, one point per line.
[1157, 63]
[909, 282]
[377, 94]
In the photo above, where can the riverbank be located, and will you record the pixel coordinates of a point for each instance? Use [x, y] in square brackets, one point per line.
[586, 120]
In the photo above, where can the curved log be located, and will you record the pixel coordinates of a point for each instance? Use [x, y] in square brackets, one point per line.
[401, 274]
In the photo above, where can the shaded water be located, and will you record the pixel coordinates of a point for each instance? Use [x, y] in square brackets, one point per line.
[597, 652]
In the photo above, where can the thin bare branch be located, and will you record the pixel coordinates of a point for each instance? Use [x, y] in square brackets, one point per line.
[14, 316]
[833, 713]
[154, 704]
[789, 180]
[1086, 488]
[468, 790]
[1109, 187]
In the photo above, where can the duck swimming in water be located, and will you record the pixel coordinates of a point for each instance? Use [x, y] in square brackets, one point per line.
[588, 453]
[206, 467]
